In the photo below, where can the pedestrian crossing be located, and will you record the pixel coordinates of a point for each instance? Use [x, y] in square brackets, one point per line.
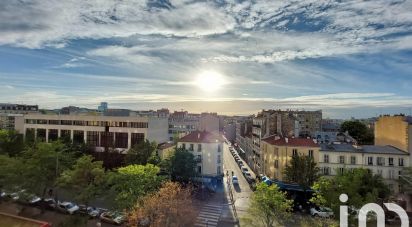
[209, 215]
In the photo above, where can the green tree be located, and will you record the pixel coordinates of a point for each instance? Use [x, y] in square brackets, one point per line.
[302, 170]
[358, 131]
[11, 142]
[405, 180]
[360, 185]
[141, 153]
[11, 172]
[181, 165]
[86, 179]
[268, 207]
[43, 164]
[132, 182]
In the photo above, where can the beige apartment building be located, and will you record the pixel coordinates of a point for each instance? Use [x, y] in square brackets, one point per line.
[207, 148]
[278, 151]
[98, 131]
[387, 161]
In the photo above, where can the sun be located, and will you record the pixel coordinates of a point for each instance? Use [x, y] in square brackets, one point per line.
[210, 81]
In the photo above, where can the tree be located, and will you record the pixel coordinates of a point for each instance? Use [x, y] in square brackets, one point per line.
[11, 142]
[358, 131]
[268, 206]
[132, 182]
[141, 153]
[11, 172]
[181, 165]
[360, 185]
[86, 179]
[43, 164]
[405, 179]
[170, 206]
[302, 170]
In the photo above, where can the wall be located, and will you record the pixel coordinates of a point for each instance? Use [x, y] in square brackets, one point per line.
[392, 130]
[158, 130]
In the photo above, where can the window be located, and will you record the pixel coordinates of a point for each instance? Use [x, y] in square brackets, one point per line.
[42, 122]
[199, 147]
[121, 140]
[66, 122]
[41, 134]
[311, 153]
[380, 161]
[379, 172]
[81, 123]
[294, 152]
[183, 146]
[276, 164]
[106, 139]
[78, 136]
[218, 148]
[199, 158]
[353, 160]
[390, 161]
[391, 174]
[370, 161]
[326, 158]
[53, 134]
[218, 159]
[341, 170]
[326, 171]
[137, 138]
[219, 171]
[65, 134]
[342, 159]
[54, 122]
[199, 169]
[93, 138]
[191, 147]
[400, 161]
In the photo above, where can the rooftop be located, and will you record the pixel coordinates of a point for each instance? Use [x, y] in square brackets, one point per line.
[165, 145]
[290, 141]
[371, 149]
[202, 137]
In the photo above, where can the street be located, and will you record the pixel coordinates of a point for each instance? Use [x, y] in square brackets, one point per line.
[241, 192]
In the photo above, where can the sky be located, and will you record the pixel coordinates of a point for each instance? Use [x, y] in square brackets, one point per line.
[348, 58]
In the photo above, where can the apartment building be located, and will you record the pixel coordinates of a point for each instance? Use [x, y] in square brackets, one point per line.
[278, 151]
[182, 123]
[9, 112]
[207, 148]
[98, 131]
[395, 131]
[387, 161]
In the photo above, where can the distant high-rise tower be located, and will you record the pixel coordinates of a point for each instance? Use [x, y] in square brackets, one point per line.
[102, 107]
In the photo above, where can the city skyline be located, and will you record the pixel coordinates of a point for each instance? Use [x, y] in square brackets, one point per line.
[348, 59]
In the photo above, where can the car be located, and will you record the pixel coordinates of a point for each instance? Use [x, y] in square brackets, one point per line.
[244, 170]
[323, 212]
[92, 212]
[67, 207]
[240, 163]
[49, 203]
[235, 180]
[113, 217]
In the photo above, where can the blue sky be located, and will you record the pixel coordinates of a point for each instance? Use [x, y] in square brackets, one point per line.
[349, 58]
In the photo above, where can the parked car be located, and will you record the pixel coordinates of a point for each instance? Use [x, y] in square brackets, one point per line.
[111, 217]
[235, 180]
[92, 212]
[67, 207]
[323, 212]
[49, 203]
[244, 170]
[240, 163]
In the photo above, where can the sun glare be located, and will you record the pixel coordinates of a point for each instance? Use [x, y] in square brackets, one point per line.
[210, 81]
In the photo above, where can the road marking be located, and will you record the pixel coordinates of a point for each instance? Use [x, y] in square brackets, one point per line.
[209, 215]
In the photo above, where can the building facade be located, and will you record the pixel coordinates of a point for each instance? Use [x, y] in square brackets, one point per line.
[207, 148]
[98, 131]
[182, 123]
[9, 112]
[278, 151]
[395, 131]
[386, 161]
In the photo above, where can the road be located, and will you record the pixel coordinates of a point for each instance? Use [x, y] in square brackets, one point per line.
[241, 192]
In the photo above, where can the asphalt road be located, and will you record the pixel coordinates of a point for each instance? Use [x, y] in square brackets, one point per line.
[241, 192]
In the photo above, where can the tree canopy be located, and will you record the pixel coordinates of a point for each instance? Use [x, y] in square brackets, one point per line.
[170, 206]
[360, 185]
[86, 179]
[268, 207]
[132, 182]
[358, 131]
[181, 165]
[11, 142]
[141, 153]
[302, 170]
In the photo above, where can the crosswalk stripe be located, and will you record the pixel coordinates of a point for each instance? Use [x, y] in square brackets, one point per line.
[209, 215]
